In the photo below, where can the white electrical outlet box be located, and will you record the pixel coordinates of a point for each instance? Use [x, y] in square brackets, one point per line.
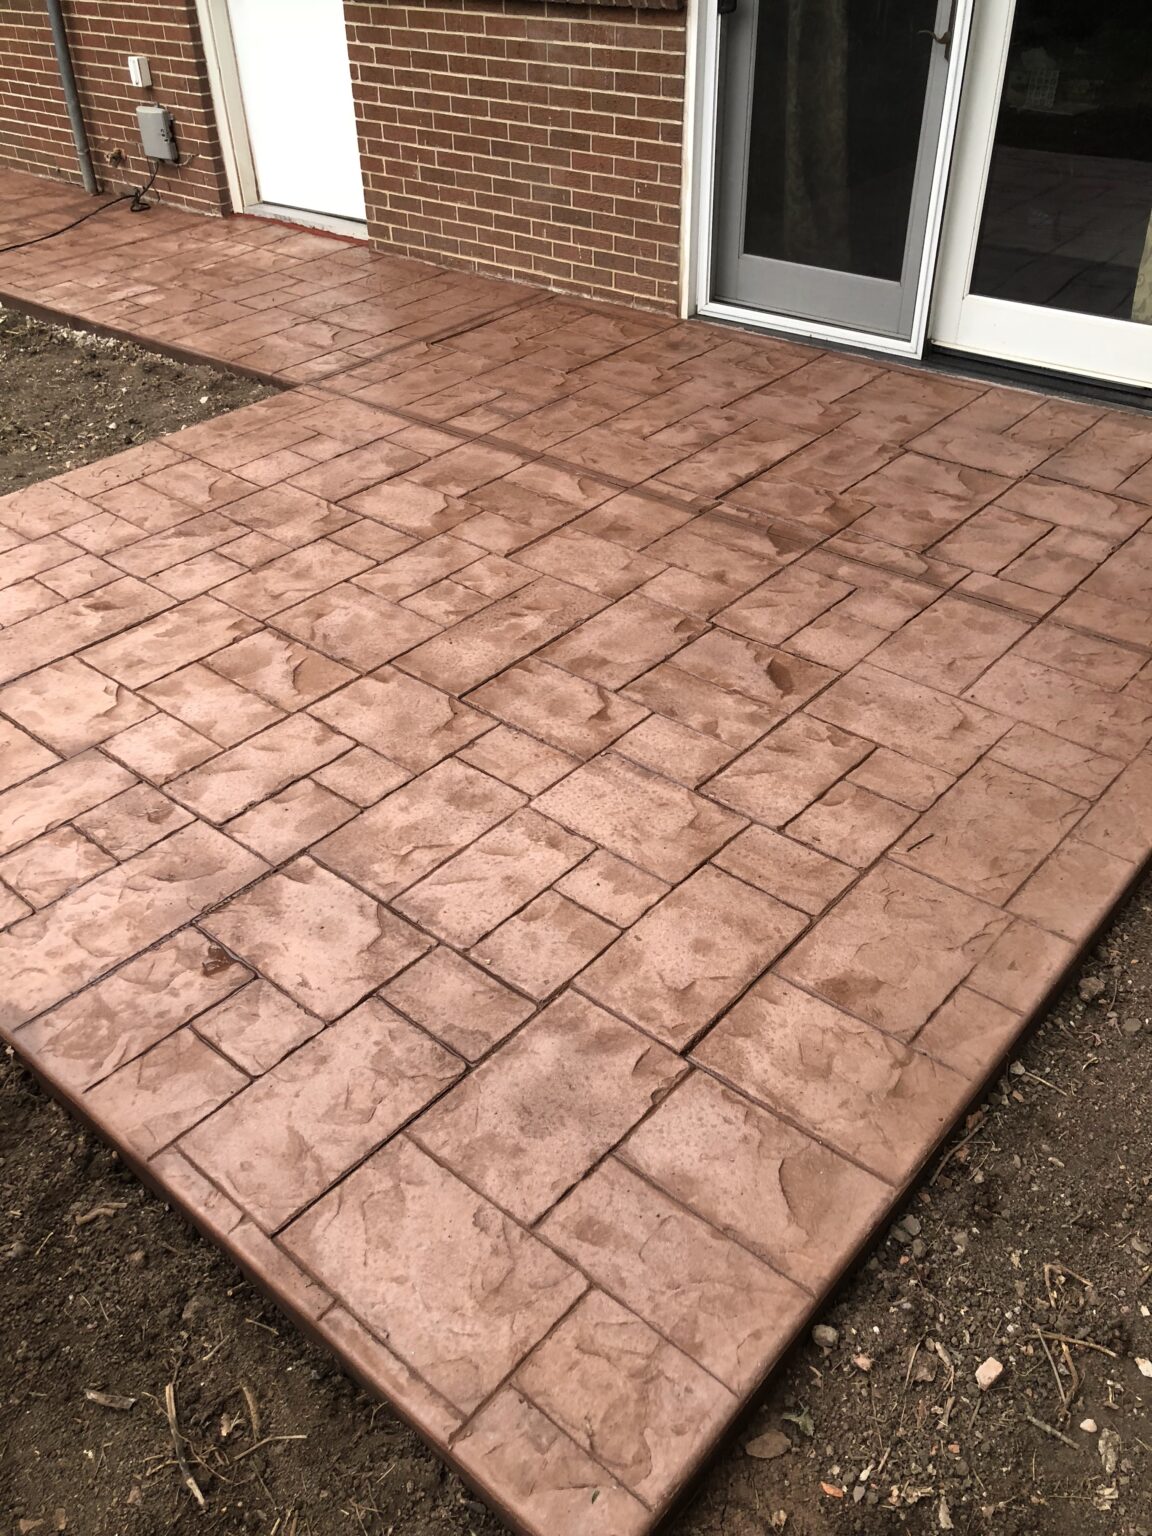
[139, 70]
[157, 135]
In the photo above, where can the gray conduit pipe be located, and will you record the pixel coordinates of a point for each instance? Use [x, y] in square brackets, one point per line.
[71, 97]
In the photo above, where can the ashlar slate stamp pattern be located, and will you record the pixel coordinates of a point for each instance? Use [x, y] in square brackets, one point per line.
[531, 835]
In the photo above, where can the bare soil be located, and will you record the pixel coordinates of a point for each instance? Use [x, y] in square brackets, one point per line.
[68, 397]
[1030, 1242]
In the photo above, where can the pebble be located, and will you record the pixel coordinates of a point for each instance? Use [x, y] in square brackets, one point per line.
[825, 1337]
[768, 1446]
[1132, 1025]
[989, 1373]
[194, 1306]
[1091, 987]
[1089, 1426]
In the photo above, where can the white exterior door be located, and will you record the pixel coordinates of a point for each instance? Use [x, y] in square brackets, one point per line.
[296, 83]
[1047, 252]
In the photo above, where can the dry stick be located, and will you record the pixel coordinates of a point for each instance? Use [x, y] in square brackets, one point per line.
[1074, 1374]
[1048, 1430]
[253, 1411]
[952, 1151]
[268, 1439]
[1066, 1338]
[177, 1445]
[1055, 1372]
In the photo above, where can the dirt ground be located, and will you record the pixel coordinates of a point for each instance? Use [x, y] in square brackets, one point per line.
[1029, 1242]
[69, 398]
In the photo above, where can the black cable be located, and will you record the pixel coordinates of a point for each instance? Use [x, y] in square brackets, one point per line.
[135, 197]
[138, 203]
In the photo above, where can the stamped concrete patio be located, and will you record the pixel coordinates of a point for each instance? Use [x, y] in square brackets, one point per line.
[531, 836]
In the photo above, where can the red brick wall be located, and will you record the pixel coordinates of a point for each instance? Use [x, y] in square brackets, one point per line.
[34, 132]
[539, 140]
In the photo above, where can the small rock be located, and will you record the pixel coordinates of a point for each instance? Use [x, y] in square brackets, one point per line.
[989, 1373]
[919, 1248]
[194, 1306]
[1109, 1447]
[1132, 1025]
[911, 1225]
[1091, 987]
[1089, 1426]
[862, 1362]
[1143, 1366]
[825, 1336]
[768, 1446]
[137, 1257]
[1138, 1245]
[925, 1369]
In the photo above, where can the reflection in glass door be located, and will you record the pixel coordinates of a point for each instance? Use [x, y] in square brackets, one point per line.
[830, 121]
[1048, 242]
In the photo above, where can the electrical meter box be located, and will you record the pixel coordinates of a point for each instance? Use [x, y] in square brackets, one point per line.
[157, 135]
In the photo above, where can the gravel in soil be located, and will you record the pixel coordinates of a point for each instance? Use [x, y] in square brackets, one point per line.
[69, 397]
[1029, 1245]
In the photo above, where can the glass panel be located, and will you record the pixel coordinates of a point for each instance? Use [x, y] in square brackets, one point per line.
[835, 133]
[1067, 220]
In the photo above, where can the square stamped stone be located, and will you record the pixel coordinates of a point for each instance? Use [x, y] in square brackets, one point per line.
[323, 941]
[536, 1116]
[457, 1002]
[687, 958]
[868, 954]
[714, 1299]
[872, 1098]
[796, 1203]
[460, 1291]
[285, 1139]
[647, 1411]
[643, 818]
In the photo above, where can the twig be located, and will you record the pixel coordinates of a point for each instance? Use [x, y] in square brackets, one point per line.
[1065, 1338]
[1061, 1269]
[1037, 1079]
[253, 1411]
[1048, 1430]
[267, 1440]
[952, 1151]
[177, 1445]
[1055, 1372]
[1074, 1374]
[109, 1208]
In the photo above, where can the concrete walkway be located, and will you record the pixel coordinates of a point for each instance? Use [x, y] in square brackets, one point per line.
[532, 836]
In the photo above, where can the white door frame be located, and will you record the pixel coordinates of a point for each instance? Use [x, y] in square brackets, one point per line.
[701, 124]
[232, 127]
[1094, 346]
[228, 103]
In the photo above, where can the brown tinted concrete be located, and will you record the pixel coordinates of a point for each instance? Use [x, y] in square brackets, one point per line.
[531, 836]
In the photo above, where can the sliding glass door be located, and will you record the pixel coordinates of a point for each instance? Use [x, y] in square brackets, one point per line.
[1047, 251]
[831, 115]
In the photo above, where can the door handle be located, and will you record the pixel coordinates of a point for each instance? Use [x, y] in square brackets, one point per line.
[944, 39]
